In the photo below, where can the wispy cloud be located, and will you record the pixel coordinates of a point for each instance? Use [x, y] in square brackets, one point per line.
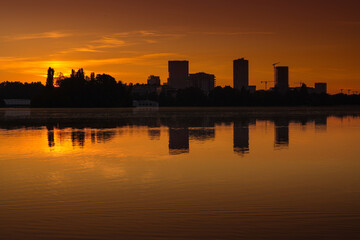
[96, 46]
[109, 41]
[38, 66]
[118, 40]
[148, 34]
[234, 33]
[83, 49]
[31, 36]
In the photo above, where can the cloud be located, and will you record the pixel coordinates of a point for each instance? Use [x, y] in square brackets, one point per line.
[95, 46]
[235, 33]
[105, 42]
[148, 34]
[31, 36]
[84, 49]
[38, 66]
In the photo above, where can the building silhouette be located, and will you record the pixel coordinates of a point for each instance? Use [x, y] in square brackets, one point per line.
[281, 133]
[241, 74]
[241, 137]
[178, 74]
[282, 78]
[203, 81]
[153, 80]
[178, 140]
[320, 88]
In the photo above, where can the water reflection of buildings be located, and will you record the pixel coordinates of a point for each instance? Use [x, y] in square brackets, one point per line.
[182, 131]
[78, 137]
[241, 137]
[321, 124]
[281, 133]
[51, 136]
[154, 134]
[178, 140]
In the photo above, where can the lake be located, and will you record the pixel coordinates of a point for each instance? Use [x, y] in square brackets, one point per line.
[185, 173]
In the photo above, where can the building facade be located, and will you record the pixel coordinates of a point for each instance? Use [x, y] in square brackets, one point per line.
[320, 88]
[282, 78]
[153, 80]
[241, 74]
[203, 81]
[178, 74]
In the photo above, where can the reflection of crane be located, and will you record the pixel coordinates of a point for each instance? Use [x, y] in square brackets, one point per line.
[266, 83]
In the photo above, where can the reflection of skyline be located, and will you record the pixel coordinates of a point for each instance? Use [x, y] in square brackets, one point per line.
[78, 137]
[321, 124]
[281, 133]
[178, 141]
[184, 128]
[241, 137]
[181, 135]
[51, 136]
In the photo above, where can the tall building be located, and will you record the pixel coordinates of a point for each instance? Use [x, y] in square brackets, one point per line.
[153, 80]
[282, 78]
[204, 81]
[241, 74]
[320, 88]
[178, 74]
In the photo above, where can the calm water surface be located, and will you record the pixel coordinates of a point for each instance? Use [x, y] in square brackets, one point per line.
[179, 174]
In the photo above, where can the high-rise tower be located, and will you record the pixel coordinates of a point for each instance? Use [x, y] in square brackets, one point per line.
[241, 74]
[178, 74]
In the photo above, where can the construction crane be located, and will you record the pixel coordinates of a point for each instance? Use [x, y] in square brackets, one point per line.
[276, 64]
[301, 83]
[266, 83]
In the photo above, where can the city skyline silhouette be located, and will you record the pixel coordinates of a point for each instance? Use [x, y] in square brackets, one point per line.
[187, 120]
[319, 43]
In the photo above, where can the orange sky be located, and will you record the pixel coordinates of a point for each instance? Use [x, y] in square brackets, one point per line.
[131, 39]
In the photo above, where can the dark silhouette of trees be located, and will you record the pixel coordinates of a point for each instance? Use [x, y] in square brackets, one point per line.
[50, 78]
[78, 90]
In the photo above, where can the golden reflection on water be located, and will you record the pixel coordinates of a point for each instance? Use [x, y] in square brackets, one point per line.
[253, 179]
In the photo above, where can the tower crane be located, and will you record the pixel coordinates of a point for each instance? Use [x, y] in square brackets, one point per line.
[276, 64]
[266, 83]
[301, 83]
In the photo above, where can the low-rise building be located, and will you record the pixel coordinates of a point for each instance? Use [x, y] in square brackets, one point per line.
[203, 81]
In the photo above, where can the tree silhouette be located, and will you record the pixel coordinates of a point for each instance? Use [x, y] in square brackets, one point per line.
[50, 78]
